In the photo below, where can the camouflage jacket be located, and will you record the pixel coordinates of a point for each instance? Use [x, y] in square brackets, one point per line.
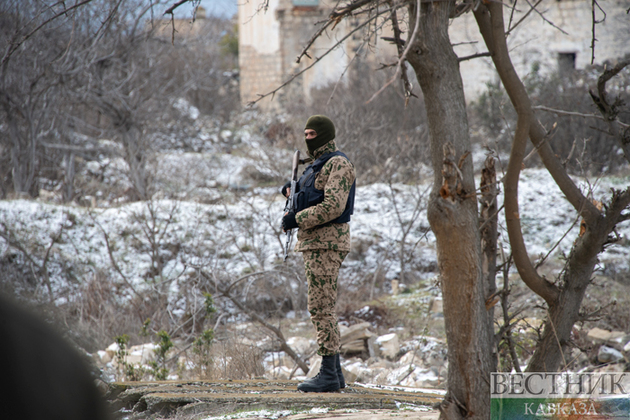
[335, 179]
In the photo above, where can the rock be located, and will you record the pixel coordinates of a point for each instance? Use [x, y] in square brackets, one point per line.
[356, 332]
[316, 363]
[356, 369]
[373, 348]
[278, 358]
[408, 358]
[348, 376]
[395, 290]
[354, 339]
[388, 345]
[608, 355]
[611, 338]
[626, 348]
[436, 306]
[112, 350]
[598, 335]
[617, 337]
[381, 364]
[300, 345]
[140, 354]
[279, 372]
[104, 357]
[356, 346]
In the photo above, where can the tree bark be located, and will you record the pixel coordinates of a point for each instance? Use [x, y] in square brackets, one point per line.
[453, 216]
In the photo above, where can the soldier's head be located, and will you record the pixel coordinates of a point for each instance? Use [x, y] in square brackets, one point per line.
[318, 131]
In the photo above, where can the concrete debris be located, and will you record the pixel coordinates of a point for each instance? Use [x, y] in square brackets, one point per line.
[609, 355]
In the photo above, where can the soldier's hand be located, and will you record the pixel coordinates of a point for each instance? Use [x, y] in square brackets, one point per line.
[288, 221]
[286, 189]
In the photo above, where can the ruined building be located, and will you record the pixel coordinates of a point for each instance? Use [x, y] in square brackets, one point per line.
[558, 39]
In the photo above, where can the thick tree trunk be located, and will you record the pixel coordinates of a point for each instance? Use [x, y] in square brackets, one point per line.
[453, 216]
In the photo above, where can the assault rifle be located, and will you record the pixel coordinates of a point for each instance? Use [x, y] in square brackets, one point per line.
[290, 206]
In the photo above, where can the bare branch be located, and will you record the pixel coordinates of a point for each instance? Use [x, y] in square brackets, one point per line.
[14, 46]
[283, 342]
[403, 56]
[171, 9]
[594, 7]
[336, 16]
[399, 46]
[315, 61]
[543, 259]
[568, 113]
[609, 110]
[547, 20]
[112, 259]
[491, 25]
[521, 20]
[473, 56]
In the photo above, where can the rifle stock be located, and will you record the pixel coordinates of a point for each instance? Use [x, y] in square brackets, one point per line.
[290, 205]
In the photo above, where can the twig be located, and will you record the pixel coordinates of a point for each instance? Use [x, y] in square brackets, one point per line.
[595, 22]
[171, 9]
[111, 257]
[547, 20]
[399, 47]
[14, 46]
[403, 56]
[569, 113]
[510, 29]
[548, 135]
[315, 61]
[283, 342]
[472, 56]
[542, 261]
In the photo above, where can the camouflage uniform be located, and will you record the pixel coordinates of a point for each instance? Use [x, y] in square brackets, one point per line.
[325, 247]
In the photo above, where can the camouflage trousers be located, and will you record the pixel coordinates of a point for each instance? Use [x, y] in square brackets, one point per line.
[322, 269]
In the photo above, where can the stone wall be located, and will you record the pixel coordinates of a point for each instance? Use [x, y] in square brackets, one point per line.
[271, 40]
[537, 43]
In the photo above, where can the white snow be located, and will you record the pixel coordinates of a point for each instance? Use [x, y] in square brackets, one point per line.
[242, 232]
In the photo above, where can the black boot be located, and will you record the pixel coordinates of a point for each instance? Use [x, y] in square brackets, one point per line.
[325, 381]
[342, 381]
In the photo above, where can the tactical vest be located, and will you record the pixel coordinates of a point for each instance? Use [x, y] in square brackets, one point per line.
[306, 195]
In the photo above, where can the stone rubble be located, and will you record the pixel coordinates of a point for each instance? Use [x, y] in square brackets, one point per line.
[419, 362]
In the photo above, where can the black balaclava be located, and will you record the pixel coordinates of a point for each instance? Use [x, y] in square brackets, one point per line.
[325, 130]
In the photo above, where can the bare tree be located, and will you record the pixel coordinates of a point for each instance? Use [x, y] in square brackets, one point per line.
[564, 296]
[100, 69]
[466, 278]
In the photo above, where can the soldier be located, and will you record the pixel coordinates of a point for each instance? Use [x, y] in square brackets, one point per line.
[324, 201]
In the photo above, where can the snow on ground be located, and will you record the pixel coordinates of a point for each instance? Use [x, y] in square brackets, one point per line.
[241, 232]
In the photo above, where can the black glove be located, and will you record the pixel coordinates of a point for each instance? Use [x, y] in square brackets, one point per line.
[288, 221]
[285, 188]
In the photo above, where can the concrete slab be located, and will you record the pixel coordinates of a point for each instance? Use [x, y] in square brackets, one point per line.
[203, 399]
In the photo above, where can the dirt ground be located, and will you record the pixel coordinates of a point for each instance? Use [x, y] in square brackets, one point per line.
[431, 414]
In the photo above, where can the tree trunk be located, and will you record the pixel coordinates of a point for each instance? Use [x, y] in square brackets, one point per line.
[554, 345]
[136, 151]
[453, 216]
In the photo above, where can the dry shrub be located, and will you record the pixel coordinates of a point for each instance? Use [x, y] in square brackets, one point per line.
[235, 360]
[96, 314]
[582, 142]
